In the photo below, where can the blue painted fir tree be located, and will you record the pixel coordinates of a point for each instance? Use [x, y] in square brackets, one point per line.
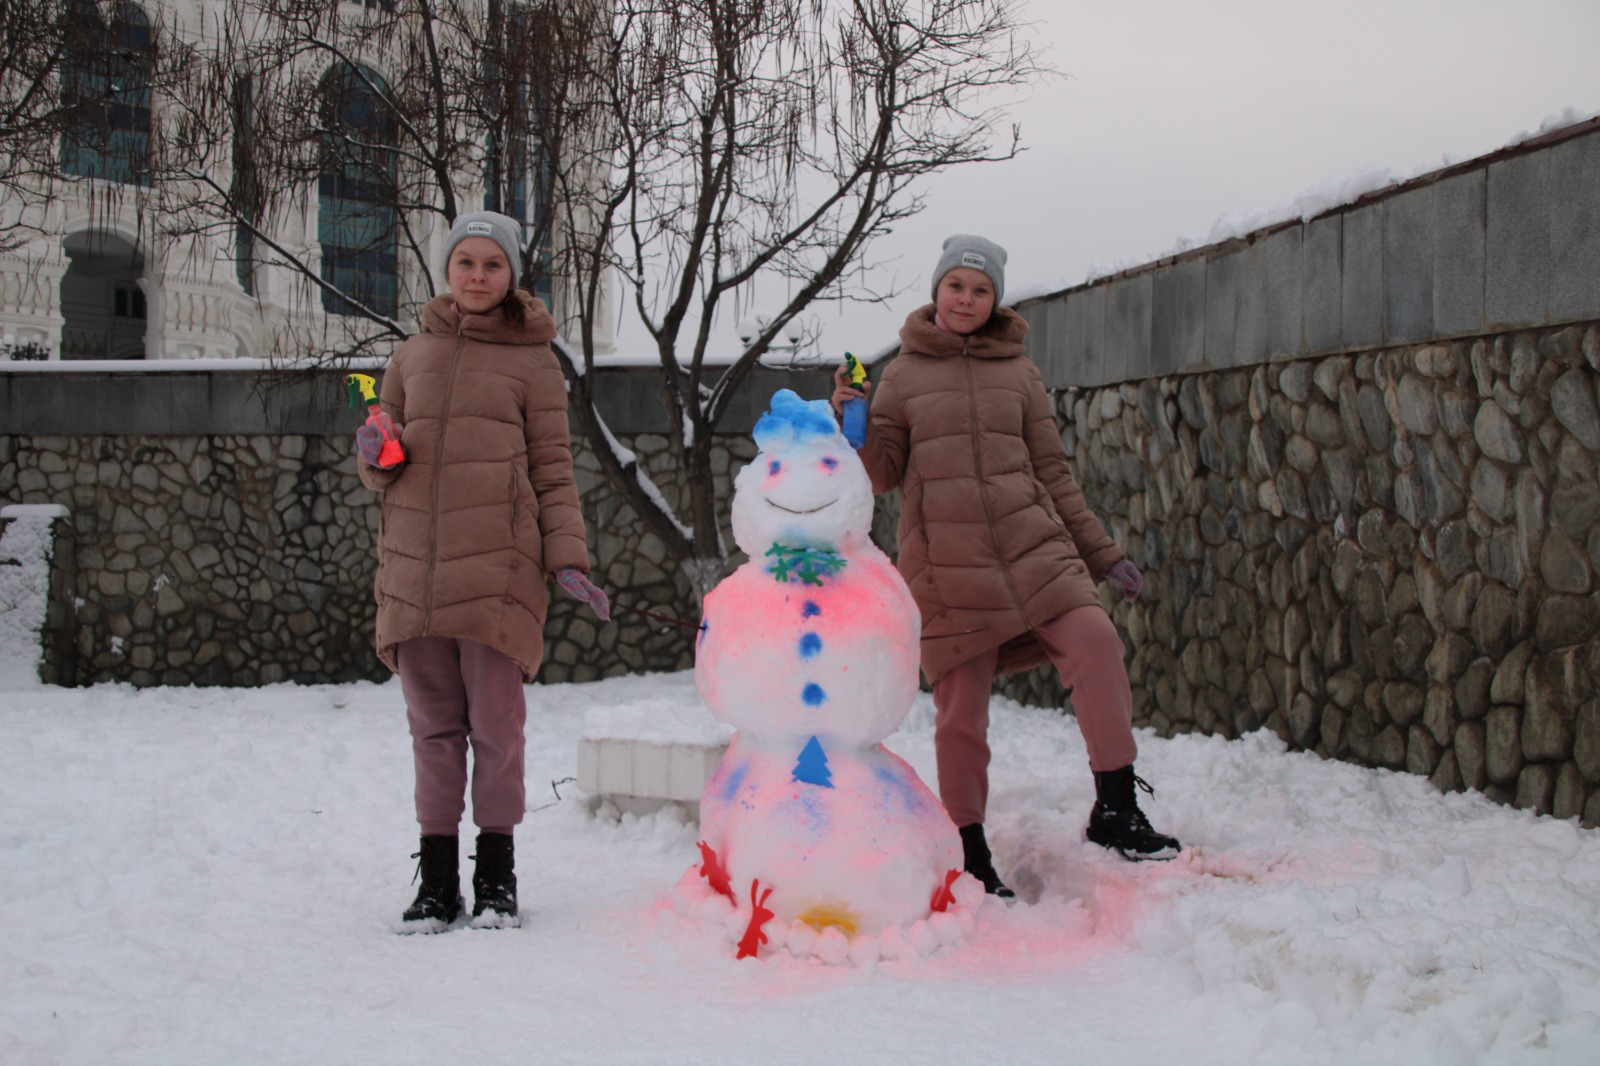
[812, 766]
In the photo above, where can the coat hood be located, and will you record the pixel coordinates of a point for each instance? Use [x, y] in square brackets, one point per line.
[538, 327]
[1000, 338]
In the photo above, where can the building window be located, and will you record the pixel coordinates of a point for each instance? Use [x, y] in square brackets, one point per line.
[102, 303]
[129, 302]
[514, 188]
[356, 195]
[517, 175]
[105, 85]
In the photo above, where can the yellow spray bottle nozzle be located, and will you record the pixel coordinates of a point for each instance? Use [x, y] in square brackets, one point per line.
[362, 390]
[858, 373]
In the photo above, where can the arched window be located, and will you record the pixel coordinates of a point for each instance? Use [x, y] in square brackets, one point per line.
[105, 84]
[515, 182]
[102, 301]
[517, 174]
[356, 195]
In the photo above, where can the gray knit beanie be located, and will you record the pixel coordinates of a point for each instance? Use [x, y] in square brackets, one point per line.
[978, 253]
[498, 228]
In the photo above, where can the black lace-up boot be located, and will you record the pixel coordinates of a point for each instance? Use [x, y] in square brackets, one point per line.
[438, 901]
[1117, 822]
[494, 884]
[979, 863]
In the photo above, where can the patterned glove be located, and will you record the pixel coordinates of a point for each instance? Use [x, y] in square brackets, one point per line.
[1127, 575]
[371, 435]
[579, 587]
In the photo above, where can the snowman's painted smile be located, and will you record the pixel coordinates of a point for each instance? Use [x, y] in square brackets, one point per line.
[791, 510]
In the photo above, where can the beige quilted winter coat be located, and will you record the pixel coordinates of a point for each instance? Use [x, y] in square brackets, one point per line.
[995, 537]
[484, 505]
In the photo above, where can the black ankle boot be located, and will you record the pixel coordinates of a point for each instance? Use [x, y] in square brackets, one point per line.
[438, 901]
[979, 863]
[1117, 822]
[494, 884]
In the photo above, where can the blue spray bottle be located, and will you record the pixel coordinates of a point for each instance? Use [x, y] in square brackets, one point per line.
[855, 411]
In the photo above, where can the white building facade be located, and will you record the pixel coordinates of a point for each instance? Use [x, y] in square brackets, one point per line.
[101, 273]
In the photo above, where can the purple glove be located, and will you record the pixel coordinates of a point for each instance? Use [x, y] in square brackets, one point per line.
[372, 434]
[579, 587]
[1127, 575]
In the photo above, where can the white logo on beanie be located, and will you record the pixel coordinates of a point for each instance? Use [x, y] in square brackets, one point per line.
[481, 229]
[975, 261]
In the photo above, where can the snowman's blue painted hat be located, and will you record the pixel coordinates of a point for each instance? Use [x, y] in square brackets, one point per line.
[790, 419]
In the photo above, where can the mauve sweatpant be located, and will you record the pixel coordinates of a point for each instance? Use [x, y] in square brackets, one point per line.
[1087, 652]
[459, 691]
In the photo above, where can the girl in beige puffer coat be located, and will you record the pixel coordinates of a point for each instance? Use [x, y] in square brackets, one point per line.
[477, 515]
[998, 546]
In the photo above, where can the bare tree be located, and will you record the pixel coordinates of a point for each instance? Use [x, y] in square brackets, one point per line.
[746, 139]
[76, 78]
[690, 148]
[393, 115]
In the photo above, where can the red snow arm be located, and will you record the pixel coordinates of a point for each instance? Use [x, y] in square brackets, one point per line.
[942, 896]
[753, 937]
[711, 869]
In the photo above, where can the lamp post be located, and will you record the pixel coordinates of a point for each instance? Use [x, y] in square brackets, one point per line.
[794, 354]
[24, 351]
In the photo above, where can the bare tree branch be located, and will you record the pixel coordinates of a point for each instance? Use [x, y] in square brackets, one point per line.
[686, 151]
[72, 74]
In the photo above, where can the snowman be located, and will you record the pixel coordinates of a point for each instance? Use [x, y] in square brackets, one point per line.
[823, 840]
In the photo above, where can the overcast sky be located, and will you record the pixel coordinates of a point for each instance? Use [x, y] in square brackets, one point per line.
[1170, 114]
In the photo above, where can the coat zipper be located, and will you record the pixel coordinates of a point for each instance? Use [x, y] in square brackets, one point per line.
[983, 488]
[438, 467]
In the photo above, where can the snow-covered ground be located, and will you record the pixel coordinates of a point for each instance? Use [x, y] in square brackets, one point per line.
[210, 876]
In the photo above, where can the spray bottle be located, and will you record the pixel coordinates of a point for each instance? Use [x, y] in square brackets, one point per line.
[855, 411]
[362, 390]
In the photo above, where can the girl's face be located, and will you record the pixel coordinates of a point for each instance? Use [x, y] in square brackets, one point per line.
[965, 300]
[479, 275]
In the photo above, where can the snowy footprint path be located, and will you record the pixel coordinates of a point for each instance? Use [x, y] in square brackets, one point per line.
[209, 875]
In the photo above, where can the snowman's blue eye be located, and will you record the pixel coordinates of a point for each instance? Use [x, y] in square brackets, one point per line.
[774, 467]
[830, 463]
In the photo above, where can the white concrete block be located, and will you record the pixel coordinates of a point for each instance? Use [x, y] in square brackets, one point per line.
[641, 775]
[589, 765]
[616, 767]
[650, 770]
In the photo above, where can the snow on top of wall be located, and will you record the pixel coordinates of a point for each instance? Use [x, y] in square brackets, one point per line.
[182, 366]
[24, 591]
[1556, 120]
[1327, 195]
[775, 360]
[34, 510]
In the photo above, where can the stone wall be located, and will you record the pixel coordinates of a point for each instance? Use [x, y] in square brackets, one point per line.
[1388, 558]
[246, 558]
[1356, 456]
[208, 560]
[632, 565]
